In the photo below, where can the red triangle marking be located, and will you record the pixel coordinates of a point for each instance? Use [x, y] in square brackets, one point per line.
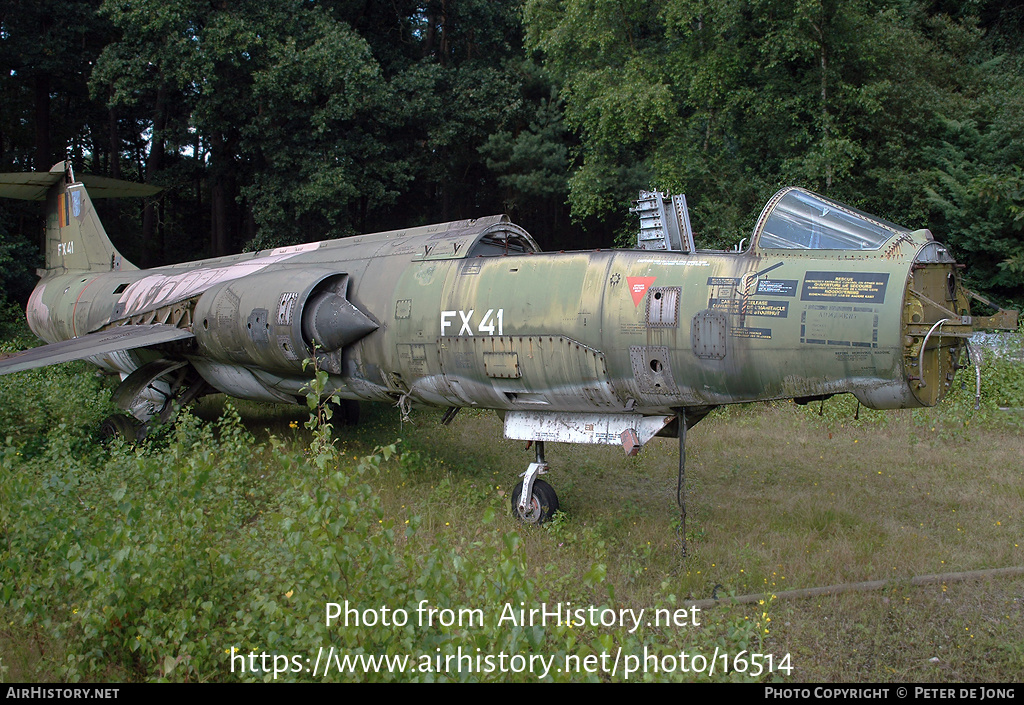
[638, 287]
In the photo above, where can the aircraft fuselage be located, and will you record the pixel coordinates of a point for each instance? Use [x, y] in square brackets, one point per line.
[599, 331]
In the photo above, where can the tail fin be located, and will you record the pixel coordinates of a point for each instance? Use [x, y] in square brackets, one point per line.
[75, 238]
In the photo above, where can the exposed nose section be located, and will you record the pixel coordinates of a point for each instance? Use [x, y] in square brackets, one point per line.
[936, 322]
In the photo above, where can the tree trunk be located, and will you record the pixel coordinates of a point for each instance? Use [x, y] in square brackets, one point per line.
[218, 217]
[115, 144]
[152, 236]
[44, 157]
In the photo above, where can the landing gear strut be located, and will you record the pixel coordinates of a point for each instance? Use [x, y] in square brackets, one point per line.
[152, 394]
[533, 500]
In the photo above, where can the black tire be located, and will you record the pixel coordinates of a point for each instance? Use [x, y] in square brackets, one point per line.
[120, 426]
[543, 507]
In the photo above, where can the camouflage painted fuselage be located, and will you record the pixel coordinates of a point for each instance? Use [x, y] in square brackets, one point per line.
[469, 314]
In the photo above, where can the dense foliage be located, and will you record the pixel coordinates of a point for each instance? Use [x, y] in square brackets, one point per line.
[908, 110]
[176, 559]
[285, 121]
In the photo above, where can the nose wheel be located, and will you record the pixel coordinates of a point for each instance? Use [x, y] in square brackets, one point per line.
[539, 508]
[533, 500]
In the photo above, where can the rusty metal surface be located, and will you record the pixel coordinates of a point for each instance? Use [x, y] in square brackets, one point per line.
[603, 429]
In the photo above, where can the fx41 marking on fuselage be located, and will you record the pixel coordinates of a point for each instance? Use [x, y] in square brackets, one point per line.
[491, 323]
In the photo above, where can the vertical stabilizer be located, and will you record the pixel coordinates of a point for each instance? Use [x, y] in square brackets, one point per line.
[75, 238]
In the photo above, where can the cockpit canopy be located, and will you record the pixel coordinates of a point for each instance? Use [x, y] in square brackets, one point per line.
[795, 219]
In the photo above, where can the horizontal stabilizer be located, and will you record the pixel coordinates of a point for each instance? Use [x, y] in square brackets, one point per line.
[28, 186]
[107, 341]
[33, 186]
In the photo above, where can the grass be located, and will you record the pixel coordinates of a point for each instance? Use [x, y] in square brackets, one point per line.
[777, 499]
[765, 485]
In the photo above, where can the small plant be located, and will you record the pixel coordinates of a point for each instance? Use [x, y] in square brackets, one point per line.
[322, 449]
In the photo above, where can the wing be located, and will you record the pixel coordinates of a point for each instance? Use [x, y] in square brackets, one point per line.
[106, 341]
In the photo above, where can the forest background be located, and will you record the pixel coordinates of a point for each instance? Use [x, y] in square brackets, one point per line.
[273, 122]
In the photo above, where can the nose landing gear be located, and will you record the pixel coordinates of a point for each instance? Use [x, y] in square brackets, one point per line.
[533, 500]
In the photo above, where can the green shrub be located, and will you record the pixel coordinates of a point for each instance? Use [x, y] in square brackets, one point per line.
[174, 559]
